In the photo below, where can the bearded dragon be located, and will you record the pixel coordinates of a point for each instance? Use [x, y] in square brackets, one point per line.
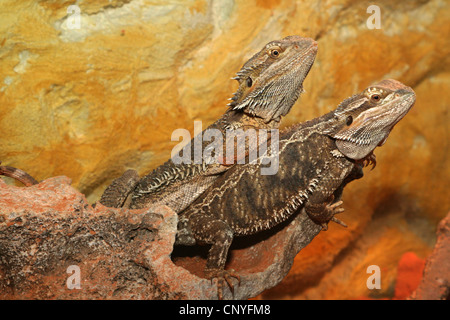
[316, 158]
[270, 82]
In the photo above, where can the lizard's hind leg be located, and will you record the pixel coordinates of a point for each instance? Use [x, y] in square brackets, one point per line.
[207, 229]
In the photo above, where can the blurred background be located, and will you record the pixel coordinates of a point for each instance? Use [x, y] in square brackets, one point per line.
[92, 90]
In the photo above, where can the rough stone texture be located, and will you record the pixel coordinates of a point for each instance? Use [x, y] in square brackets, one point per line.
[46, 228]
[92, 102]
[435, 284]
[122, 254]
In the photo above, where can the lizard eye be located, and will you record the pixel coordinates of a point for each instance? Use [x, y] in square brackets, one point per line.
[375, 97]
[349, 120]
[275, 52]
[249, 82]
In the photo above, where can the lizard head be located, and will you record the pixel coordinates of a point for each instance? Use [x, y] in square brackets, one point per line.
[271, 81]
[366, 119]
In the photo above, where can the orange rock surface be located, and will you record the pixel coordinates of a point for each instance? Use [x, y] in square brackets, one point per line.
[89, 103]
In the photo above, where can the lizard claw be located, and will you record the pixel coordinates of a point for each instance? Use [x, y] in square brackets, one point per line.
[224, 278]
[336, 220]
[370, 160]
[334, 209]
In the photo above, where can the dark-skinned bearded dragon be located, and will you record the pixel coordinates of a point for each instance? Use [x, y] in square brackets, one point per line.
[316, 158]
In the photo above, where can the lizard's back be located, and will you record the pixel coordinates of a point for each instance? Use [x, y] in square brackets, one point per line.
[250, 202]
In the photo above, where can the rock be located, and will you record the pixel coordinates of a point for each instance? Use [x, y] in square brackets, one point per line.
[435, 283]
[49, 227]
[49, 230]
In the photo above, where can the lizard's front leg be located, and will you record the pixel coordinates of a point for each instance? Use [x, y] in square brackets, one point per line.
[210, 230]
[325, 202]
[322, 213]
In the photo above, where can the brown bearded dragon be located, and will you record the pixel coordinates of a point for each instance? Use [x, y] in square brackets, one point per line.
[269, 84]
[316, 158]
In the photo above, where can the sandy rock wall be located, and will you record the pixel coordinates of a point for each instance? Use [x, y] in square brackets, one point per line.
[89, 103]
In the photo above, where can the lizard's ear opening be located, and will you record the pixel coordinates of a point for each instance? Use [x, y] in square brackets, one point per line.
[349, 120]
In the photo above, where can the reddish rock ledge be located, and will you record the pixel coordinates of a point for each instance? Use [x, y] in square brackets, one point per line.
[435, 283]
[122, 254]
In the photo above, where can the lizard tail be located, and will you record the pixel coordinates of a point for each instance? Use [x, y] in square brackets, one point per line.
[18, 174]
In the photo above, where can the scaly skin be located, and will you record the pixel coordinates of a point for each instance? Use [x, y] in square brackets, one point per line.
[316, 160]
[269, 84]
[18, 174]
